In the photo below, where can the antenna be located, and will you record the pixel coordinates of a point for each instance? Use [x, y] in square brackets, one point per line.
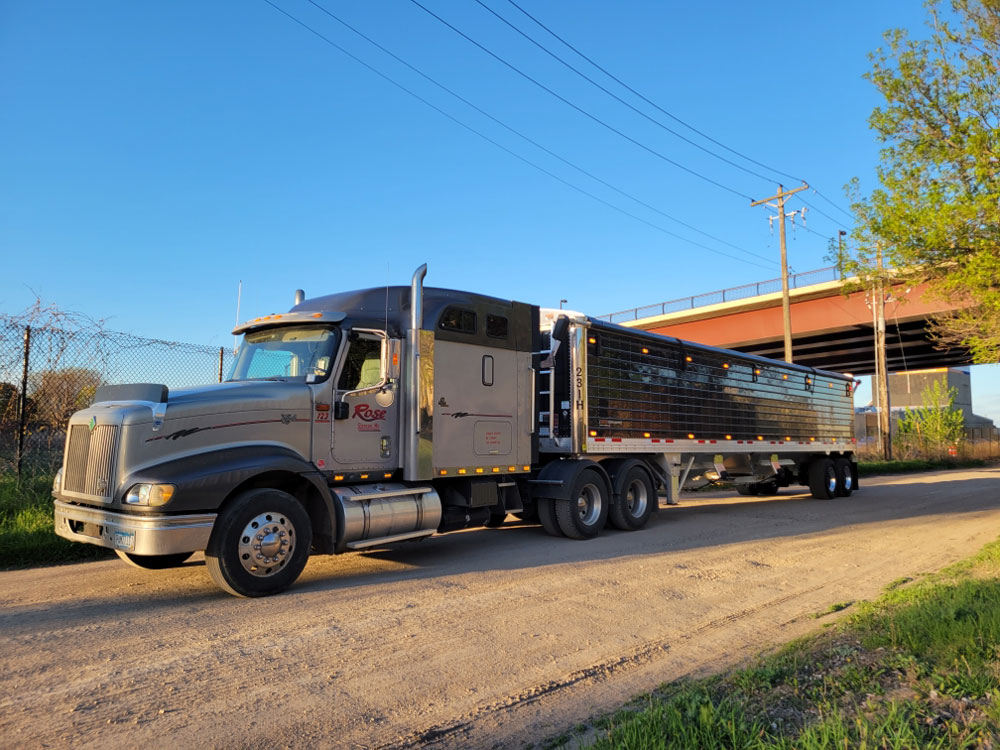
[387, 298]
[239, 296]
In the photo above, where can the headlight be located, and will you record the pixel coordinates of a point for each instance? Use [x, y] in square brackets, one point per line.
[57, 482]
[150, 494]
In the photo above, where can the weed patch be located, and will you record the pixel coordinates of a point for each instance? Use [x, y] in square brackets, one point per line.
[27, 536]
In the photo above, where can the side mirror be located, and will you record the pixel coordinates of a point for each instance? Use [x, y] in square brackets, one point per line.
[340, 410]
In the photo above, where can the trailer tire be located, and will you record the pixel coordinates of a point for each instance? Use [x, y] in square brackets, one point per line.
[630, 510]
[153, 562]
[259, 521]
[823, 478]
[496, 519]
[746, 489]
[547, 516]
[584, 513]
[770, 487]
[845, 477]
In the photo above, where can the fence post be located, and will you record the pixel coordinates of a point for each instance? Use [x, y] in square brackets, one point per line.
[22, 419]
[220, 363]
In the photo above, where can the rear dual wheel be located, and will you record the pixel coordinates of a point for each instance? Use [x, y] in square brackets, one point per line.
[584, 514]
[631, 509]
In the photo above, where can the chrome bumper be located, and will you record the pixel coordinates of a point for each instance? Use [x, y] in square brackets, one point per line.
[161, 535]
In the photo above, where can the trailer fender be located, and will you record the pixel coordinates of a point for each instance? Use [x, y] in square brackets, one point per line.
[556, 479]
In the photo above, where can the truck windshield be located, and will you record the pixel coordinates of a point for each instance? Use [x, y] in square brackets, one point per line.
[302, 354]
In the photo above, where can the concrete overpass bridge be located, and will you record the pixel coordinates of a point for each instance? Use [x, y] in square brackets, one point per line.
[830, 330]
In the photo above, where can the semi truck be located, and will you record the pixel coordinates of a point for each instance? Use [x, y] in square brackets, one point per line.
[371, 417]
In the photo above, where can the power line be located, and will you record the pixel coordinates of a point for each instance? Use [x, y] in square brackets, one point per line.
[579, 109]
[844, 212]
[617, 98]
[653, 104]
[498, 145]
[811, 207]
[534, 143]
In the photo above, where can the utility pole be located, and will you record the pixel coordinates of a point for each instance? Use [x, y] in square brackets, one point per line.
[881, 363]
[786, 308]
[840, 253]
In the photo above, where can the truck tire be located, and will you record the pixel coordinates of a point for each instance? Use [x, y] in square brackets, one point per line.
[746, 489]
[153, 562]
[822, 478]
[260, 543]
[584, 514]
[770, 487]
[547, 516]
[496, 519]
[630, 510]
[845, 477]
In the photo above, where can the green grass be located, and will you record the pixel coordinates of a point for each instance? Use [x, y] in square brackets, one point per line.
[870, 468]
[917, 668]
[27, 537]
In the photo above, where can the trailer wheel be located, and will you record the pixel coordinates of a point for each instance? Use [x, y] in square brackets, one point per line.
[547, 516]
[260, 543]
[845, 477]
[770, 487]
[154, 562]
[496, 519]
[822, 478]
[630, 511]
[583, 514]
[746, 489]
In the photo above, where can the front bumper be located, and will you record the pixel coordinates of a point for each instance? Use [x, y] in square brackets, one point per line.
[156, 535]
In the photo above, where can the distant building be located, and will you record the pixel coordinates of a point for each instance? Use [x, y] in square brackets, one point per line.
[906, 391]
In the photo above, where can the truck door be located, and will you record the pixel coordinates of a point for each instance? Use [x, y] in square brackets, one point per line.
[365, 433]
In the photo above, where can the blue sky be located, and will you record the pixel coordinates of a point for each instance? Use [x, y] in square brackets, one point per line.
[155, 154]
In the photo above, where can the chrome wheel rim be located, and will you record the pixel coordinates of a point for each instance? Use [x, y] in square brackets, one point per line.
[848, 481]
[831, 482]
[266, 544]
[636, 498]
[588, 504]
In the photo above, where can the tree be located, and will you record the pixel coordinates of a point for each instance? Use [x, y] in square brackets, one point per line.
[936, 212]
[59, 393]
[937, 425]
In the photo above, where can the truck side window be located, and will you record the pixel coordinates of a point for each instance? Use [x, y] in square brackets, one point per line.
[496, 326]
[362, 366]
[457, 319]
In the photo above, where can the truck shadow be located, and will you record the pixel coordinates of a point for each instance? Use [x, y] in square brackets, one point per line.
[516, 547]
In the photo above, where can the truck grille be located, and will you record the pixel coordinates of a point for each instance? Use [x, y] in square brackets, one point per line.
[90, 460]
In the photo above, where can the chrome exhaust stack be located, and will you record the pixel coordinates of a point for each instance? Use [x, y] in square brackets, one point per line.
[411, 470]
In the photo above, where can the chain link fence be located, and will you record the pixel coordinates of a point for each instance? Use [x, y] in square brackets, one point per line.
[48, 373]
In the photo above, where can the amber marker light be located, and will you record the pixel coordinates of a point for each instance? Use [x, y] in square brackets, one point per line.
[645, 434]
[593, 433]
[784, 377]
[364, 476]
[527, 468]
[443, 472]
[688, 359]
[756, 372]
[690, 436]
[725, 365]
[729, 437]
[787, 438]
[462, 471]
[760, 437]
[511, 468]
[812, 440]
[387, 475]
[645, 350]
[496, 469]
[317, 315]
[338, 477]
[591, 340]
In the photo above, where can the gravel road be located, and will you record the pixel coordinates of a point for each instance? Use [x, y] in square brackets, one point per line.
[487, 638]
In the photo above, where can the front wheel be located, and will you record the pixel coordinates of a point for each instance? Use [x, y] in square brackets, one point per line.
[260, 543]
[154, 562]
